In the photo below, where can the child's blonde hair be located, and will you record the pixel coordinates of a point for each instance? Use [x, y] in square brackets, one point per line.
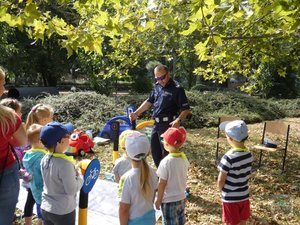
[137, 147]
[38, 112]
[123, 137]
[33, 133]
[11, 103]
[7, 116]
[144, 180]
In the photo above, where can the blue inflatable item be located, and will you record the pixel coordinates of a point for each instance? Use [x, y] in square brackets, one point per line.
[125, 124]
[106, 131]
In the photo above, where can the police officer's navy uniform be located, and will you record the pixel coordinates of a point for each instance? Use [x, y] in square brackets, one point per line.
[168, 102]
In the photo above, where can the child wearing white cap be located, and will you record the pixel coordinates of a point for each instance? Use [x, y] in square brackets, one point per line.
[122, 164]
[172, 172]
[235, 168]
[137, 186]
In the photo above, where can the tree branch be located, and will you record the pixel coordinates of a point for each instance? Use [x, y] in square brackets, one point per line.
[252, 37]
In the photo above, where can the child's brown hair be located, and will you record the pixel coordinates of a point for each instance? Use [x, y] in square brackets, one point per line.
[33, 133]
[11, 103]
[7, 116]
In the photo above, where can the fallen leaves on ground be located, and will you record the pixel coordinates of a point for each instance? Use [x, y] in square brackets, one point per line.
[275, 197]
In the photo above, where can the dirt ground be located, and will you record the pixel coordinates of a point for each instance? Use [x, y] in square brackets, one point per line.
[275, 196]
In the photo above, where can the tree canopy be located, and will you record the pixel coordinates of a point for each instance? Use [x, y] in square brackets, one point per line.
[212, 38]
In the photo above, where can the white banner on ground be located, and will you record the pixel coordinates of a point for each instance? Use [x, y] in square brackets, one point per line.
[103, 203]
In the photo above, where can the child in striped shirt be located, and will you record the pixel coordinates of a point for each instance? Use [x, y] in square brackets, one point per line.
[235, 168]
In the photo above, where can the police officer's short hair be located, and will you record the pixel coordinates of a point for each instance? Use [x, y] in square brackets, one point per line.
[160, 67]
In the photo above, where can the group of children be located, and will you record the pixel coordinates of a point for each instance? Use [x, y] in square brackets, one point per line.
[139, 182]
[55, 179]
[137, 195]
[51, 178]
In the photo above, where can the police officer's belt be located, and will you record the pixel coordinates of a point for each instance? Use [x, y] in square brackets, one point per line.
[164, 119]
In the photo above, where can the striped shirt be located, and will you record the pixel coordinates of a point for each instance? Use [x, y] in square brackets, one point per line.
[236, 163]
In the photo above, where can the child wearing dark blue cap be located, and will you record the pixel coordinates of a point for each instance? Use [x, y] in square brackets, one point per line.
[235, 169]
[61, 180]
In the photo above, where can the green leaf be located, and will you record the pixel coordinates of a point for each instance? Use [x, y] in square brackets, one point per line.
[218, 40]
[282, 72]
[31, 12]
[150, 25]
[239, 14]
[39, 29]
[101, 19]
[59, 25]
[201, 51]
[192, 28]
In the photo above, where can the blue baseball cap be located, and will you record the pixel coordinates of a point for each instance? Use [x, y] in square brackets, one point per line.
[53, 132]
[236, 129]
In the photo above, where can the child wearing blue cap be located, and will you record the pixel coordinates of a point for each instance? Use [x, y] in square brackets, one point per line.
[235, 169]
[61, 180]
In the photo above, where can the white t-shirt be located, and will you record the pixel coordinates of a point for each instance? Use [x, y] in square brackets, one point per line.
[122, 165]
[130, 192]
[174, 170]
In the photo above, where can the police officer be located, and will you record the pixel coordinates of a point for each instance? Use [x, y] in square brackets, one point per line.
[170, 108]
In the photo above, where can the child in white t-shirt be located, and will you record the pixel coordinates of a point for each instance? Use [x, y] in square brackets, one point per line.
[122, 164]
[172, 173]
[137, 186]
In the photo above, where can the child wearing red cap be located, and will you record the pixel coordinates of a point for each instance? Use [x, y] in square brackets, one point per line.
[172, 173]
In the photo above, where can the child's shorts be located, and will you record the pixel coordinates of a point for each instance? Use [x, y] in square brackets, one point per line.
[173, 213]
[234, 212]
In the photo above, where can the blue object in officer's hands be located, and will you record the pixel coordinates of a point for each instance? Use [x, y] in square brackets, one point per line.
[130, 109]
[269, 143]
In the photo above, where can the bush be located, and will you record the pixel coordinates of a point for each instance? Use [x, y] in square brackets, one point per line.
[208, 106]
[90, 110]
[84, 110]
[142, 84]
[203, 87]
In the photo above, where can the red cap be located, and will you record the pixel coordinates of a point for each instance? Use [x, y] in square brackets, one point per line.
[175, 136]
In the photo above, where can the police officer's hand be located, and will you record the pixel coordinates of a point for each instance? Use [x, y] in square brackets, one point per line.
[175, 123]
[133, 116]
